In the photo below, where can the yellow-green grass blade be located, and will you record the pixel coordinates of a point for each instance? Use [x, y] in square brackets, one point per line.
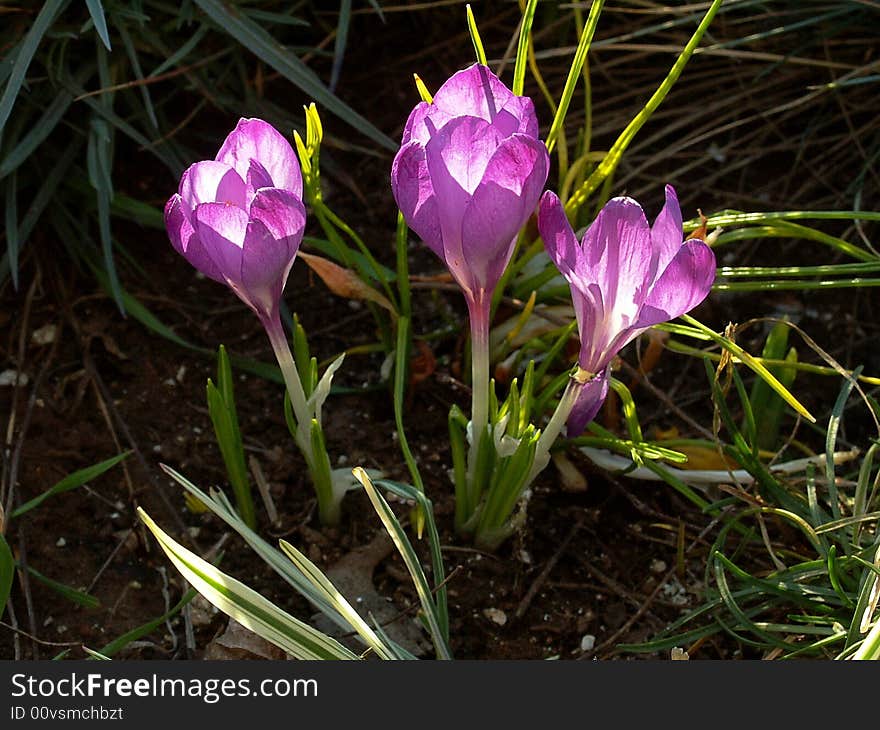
[247, 606]
[754, 365]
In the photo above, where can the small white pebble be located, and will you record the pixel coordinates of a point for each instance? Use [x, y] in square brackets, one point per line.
[170, 382]
[45, 335]
[11, 377]
[61, 542]
[495, 615]
[181, 371]
[588, 641]
[157, 449]
[658, 566]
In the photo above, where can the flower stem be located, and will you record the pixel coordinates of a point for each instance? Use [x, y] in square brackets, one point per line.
[478, 308]
[479, 316]
[295, 390]
[308, 430]
[550, 433]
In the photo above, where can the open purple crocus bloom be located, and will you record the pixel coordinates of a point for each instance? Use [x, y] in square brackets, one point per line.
[625, 276]
[469, 174]
[239, 218]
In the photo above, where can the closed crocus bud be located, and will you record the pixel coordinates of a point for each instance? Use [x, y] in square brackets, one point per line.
[625, 276]
[239, 218]
[469, 174]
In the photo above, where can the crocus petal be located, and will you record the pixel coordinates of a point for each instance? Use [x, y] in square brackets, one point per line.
[589, 308]
[185, 241]
[501, 204]
[589, 401]
[414, 193]
[222, 228]
[682, 286]
[283, 214]
[211, 182]
[258, 177]
[617, 248]
[522, 108]
[475, 91]
[423, 122]
[560, 241]
[666, 234]
[266, 262]
[462, 150]
[254, 139]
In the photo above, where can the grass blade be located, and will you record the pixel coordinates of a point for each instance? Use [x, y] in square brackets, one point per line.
[574, 73]
[96, 10]
[71, 481]
[42, 23]
[37, 133]
[522, 50]
[12, 241]
[342, 27]
[475, 37]
[404, 547]
[612, 159]
[247, 606]
[262, 45]
[119, 643]
[81, 598]
[754, 364]
[333, 596]
[7, 571]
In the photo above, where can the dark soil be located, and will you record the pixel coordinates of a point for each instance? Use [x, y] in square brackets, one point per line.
[592, 569]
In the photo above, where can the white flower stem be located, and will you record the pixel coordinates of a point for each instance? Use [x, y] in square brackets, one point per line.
[551, 432]
[295, 390]
[479, 317]
[317, 463]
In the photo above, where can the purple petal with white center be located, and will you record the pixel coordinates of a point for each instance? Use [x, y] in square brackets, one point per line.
[617, 250]
[501, 204]
[572, 261]
[414, 193]
[211, 182]
[589, 401]
[254, 139]
[462, 150]
[456, 158]
[186, 242]
[222, 229]
[666, 233]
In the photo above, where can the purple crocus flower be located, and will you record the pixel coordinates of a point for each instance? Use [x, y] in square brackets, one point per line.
[239, 218]
[625, 276]
[469, 174]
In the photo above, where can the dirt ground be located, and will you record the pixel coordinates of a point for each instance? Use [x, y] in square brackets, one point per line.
[592, 569]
